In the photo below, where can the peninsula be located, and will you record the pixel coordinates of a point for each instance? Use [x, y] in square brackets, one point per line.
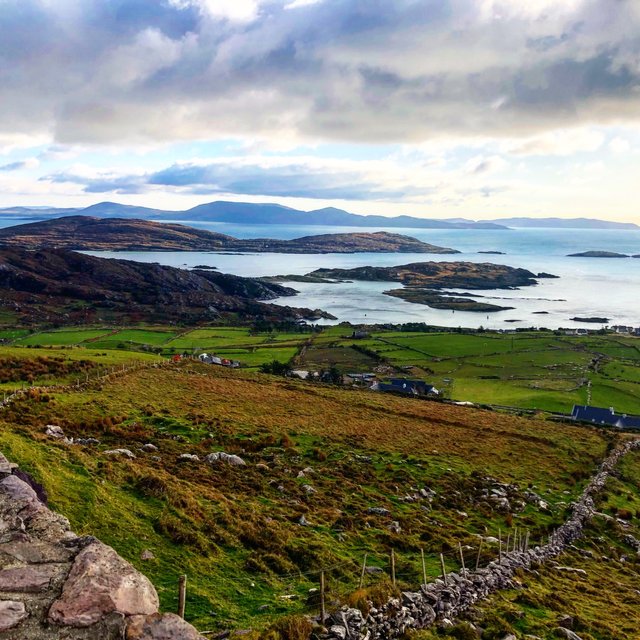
[56, 285]
[86, 233]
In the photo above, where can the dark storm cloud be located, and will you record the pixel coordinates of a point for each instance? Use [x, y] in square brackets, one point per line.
[140, 71]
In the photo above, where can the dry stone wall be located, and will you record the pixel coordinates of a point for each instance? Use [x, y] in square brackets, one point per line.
[438, 600]
[55, 584]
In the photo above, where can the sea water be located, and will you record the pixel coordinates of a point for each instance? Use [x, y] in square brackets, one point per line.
[586, 287]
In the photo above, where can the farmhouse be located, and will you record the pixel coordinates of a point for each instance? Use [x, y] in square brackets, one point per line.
[410, 387]
[601, 416]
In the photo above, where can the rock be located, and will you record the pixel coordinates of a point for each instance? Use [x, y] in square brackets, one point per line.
[338, 631]
[30, 579]
[565, 621]
[225, 458]
[188, 457]
[509, 636]
[147, 555]
[395, 527]
[262, 466]
[561, 632]
[308, 489]
[11, 614]
[6, 467]
[101, 582]
[119, 452]
[149, 448]
[87, 442]
[303, 522]
[160, 626]
[54, 431]
[378, 511]
[580, 572]
[35, 552]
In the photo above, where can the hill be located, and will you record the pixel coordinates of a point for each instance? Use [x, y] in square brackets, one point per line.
[320, 477]
[118, 234]
[262, 213]
[565, 223]
[56, 284]
[598, 254]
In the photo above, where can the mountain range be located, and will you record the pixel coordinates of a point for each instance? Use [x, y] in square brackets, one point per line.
[269, 213]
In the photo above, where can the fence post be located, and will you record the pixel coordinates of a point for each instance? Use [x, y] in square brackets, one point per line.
[323, 612]
[182, 595]
[478, 556]
[393, 568]
[499, 546]
[364, 568]
[424, 567]
[464, 569]
[444, 571]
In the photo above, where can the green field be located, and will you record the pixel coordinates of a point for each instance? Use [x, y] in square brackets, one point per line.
[530, 370]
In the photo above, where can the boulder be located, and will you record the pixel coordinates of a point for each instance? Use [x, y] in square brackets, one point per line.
[120, 452]
[101, 582]
[220, 457]
[54, 431]
[11, 614]
[149, 448]
[157, 626]
[561, 632]
[188, 457]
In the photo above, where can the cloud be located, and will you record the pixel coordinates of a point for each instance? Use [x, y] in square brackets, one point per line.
[146, 72]
[619, 145]
[278, 177]
[30, 163]
[563, 142]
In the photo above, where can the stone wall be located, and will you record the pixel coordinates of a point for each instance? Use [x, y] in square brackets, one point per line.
[438, 601]
[57, 585]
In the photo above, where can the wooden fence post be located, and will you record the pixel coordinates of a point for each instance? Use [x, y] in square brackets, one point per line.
[323, 611]
[393, 568]
[364, 568]
[478, 556]
[444, 571]
[464, 568]
[424, 567]
[182, 595]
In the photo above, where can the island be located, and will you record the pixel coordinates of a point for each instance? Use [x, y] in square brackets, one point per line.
[424, 282]
[494, 253]
[56, 285]
[592, 319]
[598, 254]
[86, 233]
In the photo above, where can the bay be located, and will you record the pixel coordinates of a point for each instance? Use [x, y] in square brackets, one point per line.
[586, 286]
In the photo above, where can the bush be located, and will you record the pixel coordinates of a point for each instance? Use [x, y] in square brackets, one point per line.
[289, 628]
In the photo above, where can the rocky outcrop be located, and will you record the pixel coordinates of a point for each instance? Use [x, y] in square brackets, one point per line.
[447, 599]
[55, 584]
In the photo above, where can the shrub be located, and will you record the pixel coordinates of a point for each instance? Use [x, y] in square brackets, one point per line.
[289, 628]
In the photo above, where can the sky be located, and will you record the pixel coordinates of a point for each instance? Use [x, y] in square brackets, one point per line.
[477, 109]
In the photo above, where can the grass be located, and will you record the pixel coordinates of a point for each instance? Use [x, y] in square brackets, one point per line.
[236, 531]
[536, 370]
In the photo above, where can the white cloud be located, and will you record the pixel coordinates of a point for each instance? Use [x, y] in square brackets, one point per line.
[561, 142]
[619, 145]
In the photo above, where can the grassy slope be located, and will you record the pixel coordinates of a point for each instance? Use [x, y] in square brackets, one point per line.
[235, 532]
[605, 604]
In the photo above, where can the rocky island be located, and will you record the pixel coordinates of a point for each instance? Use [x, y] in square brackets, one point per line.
[598, 254]
[424, 282]
[86, 233]
[54, 285]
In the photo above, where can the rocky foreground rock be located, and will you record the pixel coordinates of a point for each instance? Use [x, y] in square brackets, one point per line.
[55, 584]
